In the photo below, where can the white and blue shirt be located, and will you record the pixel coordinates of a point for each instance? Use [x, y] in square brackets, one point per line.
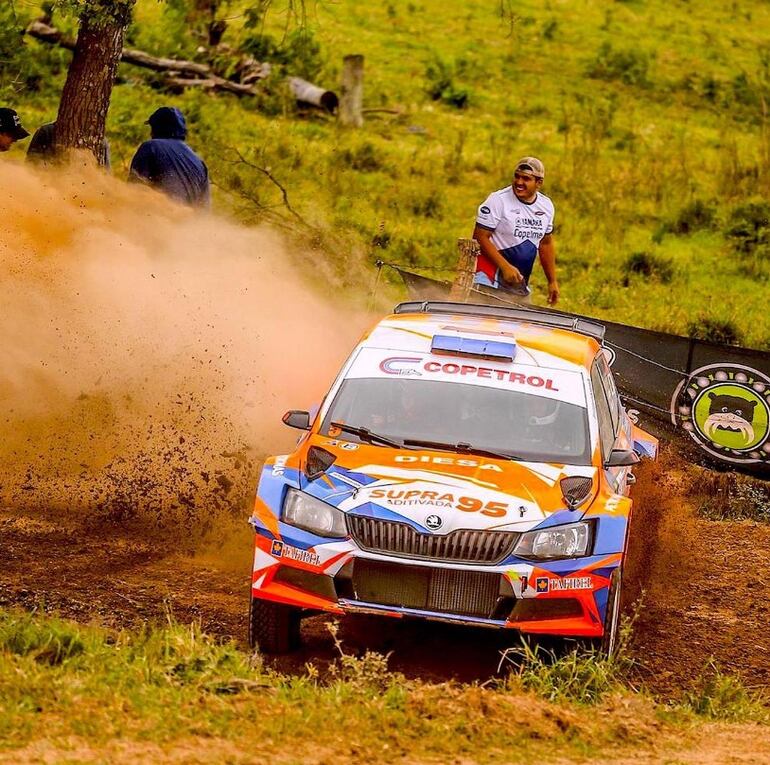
[517, 229]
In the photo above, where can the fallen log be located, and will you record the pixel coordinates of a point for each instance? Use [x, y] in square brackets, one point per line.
[179, 73]
[307, 93]
[210, 83]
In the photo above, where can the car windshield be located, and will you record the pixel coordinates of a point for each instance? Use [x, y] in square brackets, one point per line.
[524, 425]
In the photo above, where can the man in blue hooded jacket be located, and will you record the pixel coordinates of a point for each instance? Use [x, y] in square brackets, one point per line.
[168, 164]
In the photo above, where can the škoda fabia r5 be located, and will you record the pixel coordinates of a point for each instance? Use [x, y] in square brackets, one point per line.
[470, 464]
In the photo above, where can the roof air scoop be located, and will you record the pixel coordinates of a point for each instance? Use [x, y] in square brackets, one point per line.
[456, 345]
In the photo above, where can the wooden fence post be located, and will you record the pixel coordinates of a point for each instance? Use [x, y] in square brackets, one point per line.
[466, 269]
[352, 91]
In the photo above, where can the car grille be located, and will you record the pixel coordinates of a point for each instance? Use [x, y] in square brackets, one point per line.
[463, 545]
[450, 591]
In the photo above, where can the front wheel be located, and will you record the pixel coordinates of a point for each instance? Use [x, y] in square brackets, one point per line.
[608, 645]
[273, 627]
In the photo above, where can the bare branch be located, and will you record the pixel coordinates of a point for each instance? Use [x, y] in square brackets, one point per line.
[508, 15]
[242, 160]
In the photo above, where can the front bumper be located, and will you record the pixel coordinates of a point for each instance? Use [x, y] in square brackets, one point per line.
[565, 598]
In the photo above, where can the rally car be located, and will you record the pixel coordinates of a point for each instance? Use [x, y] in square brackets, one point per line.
[470, 464]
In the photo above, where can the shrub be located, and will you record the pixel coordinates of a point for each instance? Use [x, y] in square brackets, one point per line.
[695, 216]
[549, 29]
[298, 52]
[629, 66]
[441, 74]
[749, 228]
[743, 92]
[581, 675]
[427, 204]
[47, 642]
[709, 88]
[363, 157]
[733, 497]
[719, 696]
[369, 671]
[653, 267]
[382, 238]
[720, 331]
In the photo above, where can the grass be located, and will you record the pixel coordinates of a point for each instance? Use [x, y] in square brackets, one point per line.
[582, 676]
[721, 696]
[731, 497]
[170, 686]
[652, 145]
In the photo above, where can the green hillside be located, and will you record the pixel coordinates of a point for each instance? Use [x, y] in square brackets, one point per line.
[650, 118]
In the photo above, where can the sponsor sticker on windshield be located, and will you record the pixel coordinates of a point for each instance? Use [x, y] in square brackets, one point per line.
[551, 383]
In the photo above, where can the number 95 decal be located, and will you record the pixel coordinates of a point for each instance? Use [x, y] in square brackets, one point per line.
[415, 497]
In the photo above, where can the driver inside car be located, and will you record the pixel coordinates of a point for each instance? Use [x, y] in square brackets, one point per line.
[404, 410]
[543, 426]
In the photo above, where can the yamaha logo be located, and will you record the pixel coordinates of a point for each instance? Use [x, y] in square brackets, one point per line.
[433, 522]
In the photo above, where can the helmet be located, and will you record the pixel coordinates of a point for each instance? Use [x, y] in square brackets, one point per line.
[544, 411]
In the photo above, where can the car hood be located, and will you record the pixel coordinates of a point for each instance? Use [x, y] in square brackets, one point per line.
[438, 491]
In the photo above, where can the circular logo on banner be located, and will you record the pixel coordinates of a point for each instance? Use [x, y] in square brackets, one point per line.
[433, 522]
[726, 410]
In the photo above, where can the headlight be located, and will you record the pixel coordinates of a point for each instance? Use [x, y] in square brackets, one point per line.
[306, 512]
[570, 541]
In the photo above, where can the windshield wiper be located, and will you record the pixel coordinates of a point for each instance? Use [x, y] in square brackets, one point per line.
[461, 448]
[366, 435]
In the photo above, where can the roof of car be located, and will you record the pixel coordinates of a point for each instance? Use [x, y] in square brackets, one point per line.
[412, 329]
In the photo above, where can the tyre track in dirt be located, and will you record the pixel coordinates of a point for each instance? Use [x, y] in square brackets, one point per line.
[703, 584]
[705, 587]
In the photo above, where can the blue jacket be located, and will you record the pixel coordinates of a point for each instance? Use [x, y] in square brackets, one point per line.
[168, 164]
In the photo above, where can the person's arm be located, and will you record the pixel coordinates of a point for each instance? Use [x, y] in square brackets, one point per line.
[510, 274]
[206, 199]
[141, 170]
[547, 252]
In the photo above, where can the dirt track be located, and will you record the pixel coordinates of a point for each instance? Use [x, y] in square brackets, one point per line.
[705, 589]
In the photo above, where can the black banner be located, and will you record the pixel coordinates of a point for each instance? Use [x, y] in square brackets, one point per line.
[714, 400]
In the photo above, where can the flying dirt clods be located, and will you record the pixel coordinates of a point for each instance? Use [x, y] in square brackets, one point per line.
[148, 351]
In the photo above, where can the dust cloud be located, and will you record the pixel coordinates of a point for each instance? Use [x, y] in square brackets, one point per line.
[148, 351]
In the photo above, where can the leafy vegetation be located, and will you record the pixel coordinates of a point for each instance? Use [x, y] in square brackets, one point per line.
[648, 265]
[732, 497]
[723, 332]
[694, 216]
[441, 75]
[628, 66]
[721, 696]
[580, 675]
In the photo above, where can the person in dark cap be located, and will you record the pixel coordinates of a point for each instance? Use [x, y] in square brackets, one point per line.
[168, 164]
[513, 227]
[11, 129]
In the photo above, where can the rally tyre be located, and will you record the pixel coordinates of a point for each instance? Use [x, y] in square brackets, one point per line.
[608, 645]
[273, 627]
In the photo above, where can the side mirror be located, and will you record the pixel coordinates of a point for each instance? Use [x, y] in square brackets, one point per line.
[296, 418]
[622, 458]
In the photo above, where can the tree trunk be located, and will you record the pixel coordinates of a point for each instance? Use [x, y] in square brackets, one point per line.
[85, 100]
